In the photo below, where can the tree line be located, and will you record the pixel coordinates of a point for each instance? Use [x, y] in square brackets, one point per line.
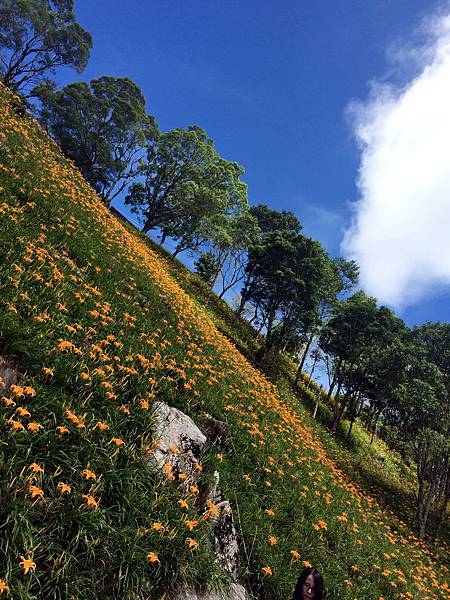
[396, 379]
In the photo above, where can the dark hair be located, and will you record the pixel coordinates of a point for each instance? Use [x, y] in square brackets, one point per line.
[318, 584]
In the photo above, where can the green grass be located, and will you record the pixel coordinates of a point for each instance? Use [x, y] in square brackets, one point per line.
[98, 326]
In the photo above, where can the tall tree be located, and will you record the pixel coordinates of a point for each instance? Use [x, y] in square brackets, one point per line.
[186, 187]
[286, 276]
[423, 420]
[434, 339]
[356, 332]
[268, 221]
[35, 37]
[339, 275]
[102, 126]
[229, 243]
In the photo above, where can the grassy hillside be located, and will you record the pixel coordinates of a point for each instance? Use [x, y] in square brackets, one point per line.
[97, 327]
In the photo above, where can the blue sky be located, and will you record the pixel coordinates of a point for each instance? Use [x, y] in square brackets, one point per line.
[272, 83]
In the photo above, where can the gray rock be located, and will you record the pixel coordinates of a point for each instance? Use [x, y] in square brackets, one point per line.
[8, 375]
[214, 492]
[175, 429]
[225, 539]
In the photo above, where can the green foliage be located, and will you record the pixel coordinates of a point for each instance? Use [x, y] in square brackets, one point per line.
[187, 189]
[206, 267]
[287, 271]
[35, 37]
[70, 272]
[102, 126]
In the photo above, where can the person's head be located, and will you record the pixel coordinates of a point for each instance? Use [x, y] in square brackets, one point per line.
[309, 585]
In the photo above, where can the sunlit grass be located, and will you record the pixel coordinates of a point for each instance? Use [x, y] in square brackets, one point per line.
[98, 329]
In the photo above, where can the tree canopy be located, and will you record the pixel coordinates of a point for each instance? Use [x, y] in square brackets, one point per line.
[102, 126]
[186, 188]
[35, 37]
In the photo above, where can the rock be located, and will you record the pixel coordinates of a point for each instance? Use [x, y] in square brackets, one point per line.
[236, 592]
[225, 539]
[174, 429]
[8, 376]
[214, 492]
[217, 432]
[180, 444]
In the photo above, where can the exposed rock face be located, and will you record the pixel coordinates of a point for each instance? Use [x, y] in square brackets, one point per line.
[213, 493]
[180, 444]
[8, 376]
[236, 592]
[174, 429]
[225, 539]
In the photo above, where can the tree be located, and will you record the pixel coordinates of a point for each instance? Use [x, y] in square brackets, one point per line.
[423, 419]
[35, 37]
[229, 243]
[186, 187]
[206, 267]
[434, 339]
[339, 275]
[286, 277]
[102, 126]
[356, 333]
[268, 222]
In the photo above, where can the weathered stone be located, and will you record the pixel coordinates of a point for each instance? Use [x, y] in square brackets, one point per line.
[8, 376]
[225, 539]
[214, 492]
[180, 444]
[174, 429]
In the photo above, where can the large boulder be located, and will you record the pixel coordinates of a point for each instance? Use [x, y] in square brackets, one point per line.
[179, 441]
[178, 449]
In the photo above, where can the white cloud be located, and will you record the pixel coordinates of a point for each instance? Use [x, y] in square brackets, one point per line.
[400, 233]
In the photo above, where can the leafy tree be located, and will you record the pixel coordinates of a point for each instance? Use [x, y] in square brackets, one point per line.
[206, 267]
[353, 336]
[286, 276]
[35, 37]
[434, 339]
[339, 275]
[229, 243]
[186, 187]
[102, 126]
[422, 417]
[268, 221]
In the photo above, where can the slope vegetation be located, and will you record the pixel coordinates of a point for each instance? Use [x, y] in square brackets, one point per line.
[97, 330]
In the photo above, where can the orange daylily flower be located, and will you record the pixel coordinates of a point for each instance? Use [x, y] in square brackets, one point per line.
[64, 488]
[153, 557]
[27, 564]
[191, 543]
[91, 501]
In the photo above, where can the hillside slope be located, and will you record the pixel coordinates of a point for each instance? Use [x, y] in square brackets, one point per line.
[98, 329]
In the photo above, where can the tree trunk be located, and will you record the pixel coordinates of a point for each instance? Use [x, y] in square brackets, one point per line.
[244, 294]
[316, 406]
[339, 409]
[163, 237]
[446, 498]
[305, 353]
[374, 431]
